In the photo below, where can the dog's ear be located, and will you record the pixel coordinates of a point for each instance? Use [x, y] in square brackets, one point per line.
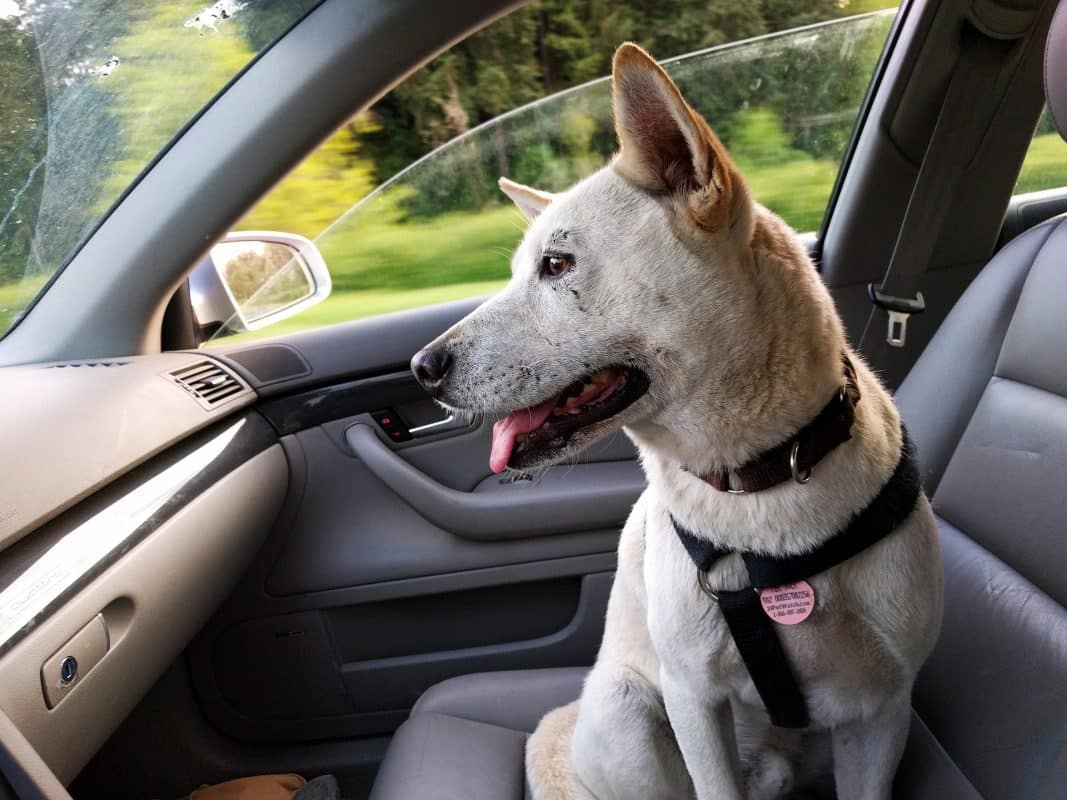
[667, 148]
[530, 201]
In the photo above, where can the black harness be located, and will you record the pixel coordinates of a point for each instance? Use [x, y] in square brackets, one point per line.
[752, 630]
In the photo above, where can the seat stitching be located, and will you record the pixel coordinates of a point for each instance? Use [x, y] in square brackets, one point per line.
[1051, 225]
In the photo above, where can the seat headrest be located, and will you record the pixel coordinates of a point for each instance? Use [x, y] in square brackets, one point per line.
[1056, 69]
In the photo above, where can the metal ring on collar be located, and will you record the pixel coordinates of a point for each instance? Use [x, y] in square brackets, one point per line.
[793, 465]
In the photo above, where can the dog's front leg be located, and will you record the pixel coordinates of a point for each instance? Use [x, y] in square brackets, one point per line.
[705, 734]
[867, 752]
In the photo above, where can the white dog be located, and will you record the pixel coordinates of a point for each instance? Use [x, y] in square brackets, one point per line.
[657, 295]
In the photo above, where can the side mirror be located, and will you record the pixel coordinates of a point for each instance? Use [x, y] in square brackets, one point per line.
[252, 279]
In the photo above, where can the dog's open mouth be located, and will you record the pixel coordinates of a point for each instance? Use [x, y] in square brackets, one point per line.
[531, 435]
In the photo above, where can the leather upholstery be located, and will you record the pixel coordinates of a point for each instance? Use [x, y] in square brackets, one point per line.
[1056, 69]
[942, 390]
[466, 737]
[994, 692]
[516, 699]
[447, 758]
[987, 405]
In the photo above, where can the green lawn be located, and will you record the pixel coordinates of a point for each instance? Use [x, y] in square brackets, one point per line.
[377, 248]
[1045, 166]
[14, 297]
[342, 306]
[381, 262]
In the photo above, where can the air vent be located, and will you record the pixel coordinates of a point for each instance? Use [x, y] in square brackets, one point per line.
[209, 383]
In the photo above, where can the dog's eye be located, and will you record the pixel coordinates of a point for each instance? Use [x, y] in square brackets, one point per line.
[555, 265]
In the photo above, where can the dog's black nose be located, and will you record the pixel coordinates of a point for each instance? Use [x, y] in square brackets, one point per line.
[431, 367]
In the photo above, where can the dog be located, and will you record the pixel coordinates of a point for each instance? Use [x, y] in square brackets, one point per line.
[656, 296]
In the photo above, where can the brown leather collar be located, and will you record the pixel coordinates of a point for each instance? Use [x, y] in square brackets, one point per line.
[795, 458]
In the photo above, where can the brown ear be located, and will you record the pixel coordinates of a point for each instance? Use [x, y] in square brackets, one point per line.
[666, 147]
[530, 201]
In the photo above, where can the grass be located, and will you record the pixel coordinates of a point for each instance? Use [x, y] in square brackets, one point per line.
[376, 249]
[798, 191]
[344, 306]
[380, 263]
[14, 297]
[1045, 166]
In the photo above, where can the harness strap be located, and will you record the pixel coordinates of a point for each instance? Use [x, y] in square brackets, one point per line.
[881, 517]
[752, 630]
[753, 633]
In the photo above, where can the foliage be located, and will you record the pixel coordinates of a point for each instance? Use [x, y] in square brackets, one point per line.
[22, 148]
[94, 90]
[785, 109]
[442, 223]
[551, 45]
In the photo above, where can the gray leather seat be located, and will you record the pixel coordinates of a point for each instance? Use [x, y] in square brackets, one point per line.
[987, 405]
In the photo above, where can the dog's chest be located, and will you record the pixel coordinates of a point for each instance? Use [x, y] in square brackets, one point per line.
[687, 629]
[832, 663]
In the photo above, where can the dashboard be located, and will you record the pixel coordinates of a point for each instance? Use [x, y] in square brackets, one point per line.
[133, 494]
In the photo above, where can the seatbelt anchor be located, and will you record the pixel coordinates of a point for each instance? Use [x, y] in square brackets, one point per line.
[899, 309]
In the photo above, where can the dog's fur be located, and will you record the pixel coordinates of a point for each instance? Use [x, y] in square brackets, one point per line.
[677, 271]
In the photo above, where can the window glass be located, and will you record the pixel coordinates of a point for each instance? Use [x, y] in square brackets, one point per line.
[92, 91]
[526, 98]
[1045, 165]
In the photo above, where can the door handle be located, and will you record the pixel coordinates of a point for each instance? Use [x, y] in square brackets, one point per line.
[566, 499]
[437, 426]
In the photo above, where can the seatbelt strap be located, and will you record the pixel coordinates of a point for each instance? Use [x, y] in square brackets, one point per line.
[961, 123]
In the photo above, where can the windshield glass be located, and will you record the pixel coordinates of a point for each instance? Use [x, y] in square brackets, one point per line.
[92, 91]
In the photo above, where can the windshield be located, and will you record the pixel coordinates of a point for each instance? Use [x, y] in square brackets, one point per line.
[92, 91]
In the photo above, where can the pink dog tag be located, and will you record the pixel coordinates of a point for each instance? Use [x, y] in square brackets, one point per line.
[788, 604]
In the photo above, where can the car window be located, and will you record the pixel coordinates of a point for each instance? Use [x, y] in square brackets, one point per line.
[438, 229]
[92, 91]
[1045, 165]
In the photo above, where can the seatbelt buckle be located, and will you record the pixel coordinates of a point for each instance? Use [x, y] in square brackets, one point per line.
[899, 310]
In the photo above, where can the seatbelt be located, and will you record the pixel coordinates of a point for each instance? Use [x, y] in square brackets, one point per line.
[961, 123]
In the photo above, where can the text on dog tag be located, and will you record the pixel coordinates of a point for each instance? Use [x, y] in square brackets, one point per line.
[788, 604]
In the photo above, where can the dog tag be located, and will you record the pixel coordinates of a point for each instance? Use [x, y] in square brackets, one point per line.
[788, 604]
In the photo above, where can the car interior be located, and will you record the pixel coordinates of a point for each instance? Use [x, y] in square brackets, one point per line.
[281, 555]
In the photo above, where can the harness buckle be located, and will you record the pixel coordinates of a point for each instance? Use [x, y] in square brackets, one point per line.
[899, 310]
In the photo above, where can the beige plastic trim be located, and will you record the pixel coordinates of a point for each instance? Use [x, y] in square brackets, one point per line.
[154, 600]
[28, 775]
[71, 428]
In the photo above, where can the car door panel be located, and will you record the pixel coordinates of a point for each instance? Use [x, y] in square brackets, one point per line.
[350, 530]
[396, 564]
[1030, 209]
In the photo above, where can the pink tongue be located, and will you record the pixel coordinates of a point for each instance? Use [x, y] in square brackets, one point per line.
[505, 432]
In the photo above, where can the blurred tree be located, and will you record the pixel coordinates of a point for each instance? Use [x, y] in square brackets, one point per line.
[550, 45]
[23, 145]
